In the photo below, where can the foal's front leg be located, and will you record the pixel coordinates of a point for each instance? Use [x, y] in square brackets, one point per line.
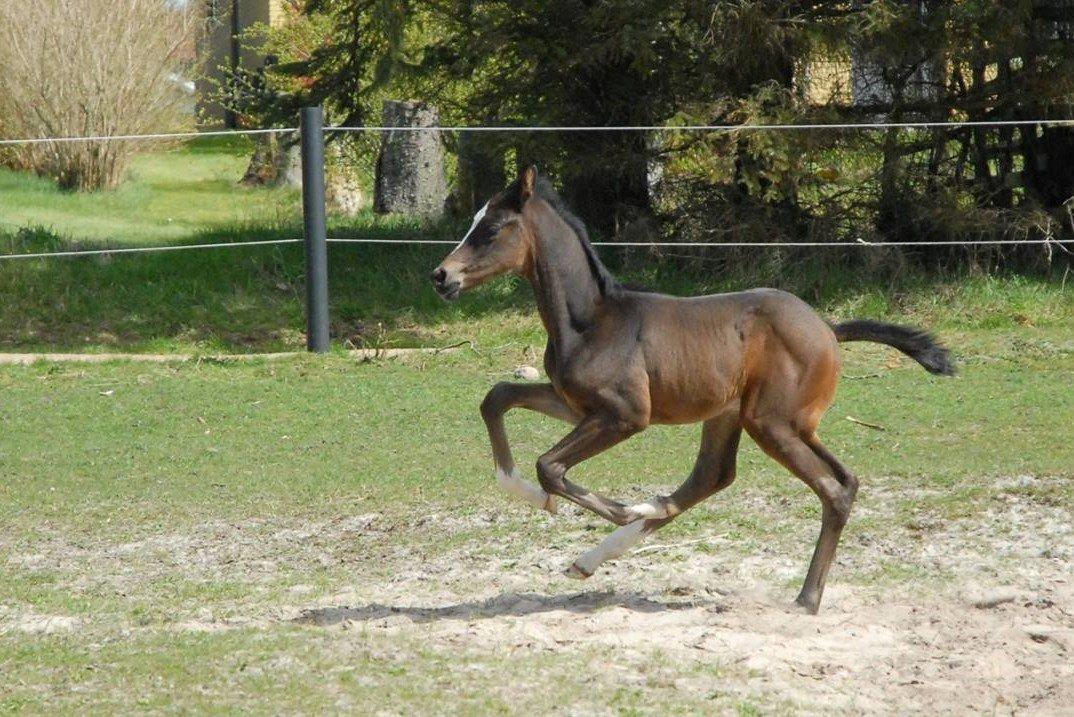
[536, 397]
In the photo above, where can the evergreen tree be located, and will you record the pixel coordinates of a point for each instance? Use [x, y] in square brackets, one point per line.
[665, 63]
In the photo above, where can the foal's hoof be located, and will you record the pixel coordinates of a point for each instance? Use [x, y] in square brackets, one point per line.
[551, 505]
[576, 573]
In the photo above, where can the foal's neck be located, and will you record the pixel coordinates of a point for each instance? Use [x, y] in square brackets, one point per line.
[568, 294]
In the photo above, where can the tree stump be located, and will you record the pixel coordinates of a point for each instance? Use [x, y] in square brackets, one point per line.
[410, 167]
[277, 162]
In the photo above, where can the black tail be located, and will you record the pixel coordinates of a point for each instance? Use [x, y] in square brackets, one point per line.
[919, 345]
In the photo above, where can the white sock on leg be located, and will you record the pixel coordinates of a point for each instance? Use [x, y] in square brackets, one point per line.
[620, 541]
[528, 491]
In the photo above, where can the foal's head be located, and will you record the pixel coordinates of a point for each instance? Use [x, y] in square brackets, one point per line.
[497, 242]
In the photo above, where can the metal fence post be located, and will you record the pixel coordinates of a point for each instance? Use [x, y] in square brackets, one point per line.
[313, 210]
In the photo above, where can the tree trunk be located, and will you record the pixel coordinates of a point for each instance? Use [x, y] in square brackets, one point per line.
[480, 171]
[890, 216]
[410, 167]
[1005, 172]
[276, 161]
[981, 170]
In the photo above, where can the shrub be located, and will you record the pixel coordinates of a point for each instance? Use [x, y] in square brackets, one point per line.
[91, 68]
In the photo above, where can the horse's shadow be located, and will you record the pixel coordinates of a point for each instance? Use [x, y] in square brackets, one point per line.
[511, 604]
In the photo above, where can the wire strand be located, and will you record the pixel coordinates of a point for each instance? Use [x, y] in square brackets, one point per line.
[145, 249]
[709, 127]
[730, 245]
[135, 137]
[654, 244]
[562, 128]
[724, 245]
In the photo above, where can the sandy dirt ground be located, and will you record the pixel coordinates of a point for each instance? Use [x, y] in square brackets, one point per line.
[978, 618]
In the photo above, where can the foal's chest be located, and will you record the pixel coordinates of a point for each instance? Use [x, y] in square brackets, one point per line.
[556, 370]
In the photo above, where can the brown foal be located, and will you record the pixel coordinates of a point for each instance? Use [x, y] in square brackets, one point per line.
[619, 360]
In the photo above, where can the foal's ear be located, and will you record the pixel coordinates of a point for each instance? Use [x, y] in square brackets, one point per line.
[528, 183]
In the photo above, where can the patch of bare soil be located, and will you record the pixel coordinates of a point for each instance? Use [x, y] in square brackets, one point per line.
[999, 637]
[35, 623]
[979, 617]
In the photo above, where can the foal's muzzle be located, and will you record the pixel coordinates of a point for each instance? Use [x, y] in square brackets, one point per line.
[448, 287]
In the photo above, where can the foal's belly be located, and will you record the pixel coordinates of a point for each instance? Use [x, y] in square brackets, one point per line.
[693, 383]
[690, 398]
[695, 355]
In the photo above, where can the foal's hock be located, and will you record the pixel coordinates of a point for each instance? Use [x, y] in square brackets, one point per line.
[619, 359]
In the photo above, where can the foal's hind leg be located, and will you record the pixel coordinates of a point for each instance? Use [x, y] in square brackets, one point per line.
[713, 471]
[537, 397]
[836, 487]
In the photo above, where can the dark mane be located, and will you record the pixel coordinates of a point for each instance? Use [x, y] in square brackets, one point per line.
[608, 284]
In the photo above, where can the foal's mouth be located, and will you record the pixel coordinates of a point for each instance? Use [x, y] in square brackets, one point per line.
[450, 292]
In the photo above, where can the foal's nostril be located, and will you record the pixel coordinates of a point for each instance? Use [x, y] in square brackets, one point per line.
[438, 276]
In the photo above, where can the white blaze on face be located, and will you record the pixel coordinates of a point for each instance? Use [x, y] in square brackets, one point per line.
[477, 220]
[622, 540]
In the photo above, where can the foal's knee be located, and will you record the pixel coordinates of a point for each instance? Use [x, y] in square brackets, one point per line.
[495, 402]
[837, 507]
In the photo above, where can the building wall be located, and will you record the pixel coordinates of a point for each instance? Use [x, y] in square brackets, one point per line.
[220, 43]
[825, 80]
[851, 80]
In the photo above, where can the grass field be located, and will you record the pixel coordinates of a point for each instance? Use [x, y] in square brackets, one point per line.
[324, 535]
[169, 196]
[271, 537]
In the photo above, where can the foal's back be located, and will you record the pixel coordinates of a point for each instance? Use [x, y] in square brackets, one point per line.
[702, 354]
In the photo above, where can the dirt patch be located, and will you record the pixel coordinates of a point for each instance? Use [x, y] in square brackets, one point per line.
[27, 620]
[894, 649]
[977, 616]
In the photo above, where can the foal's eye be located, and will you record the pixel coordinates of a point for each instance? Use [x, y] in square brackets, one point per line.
[487, 232]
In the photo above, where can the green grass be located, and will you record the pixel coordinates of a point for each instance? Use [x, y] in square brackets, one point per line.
[170, 443]
[169, 196]
[174, 444]
[234, 457]
[138, 498]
